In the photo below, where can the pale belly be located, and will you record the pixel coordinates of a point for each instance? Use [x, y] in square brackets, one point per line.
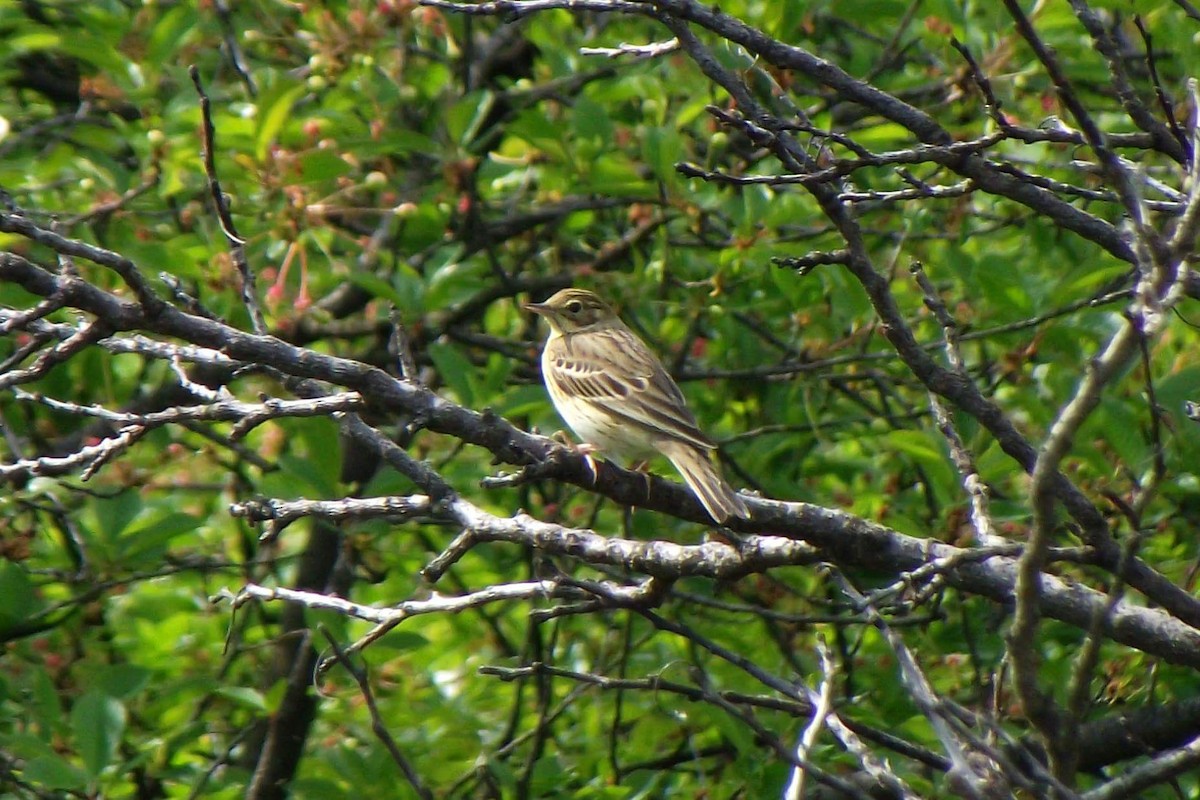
[617, 439]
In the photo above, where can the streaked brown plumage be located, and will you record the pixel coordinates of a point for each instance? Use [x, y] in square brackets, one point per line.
[616, 395]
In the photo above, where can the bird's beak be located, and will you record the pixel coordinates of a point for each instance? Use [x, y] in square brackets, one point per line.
[538, 308]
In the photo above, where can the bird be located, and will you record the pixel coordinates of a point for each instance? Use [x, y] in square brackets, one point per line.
[614, 393]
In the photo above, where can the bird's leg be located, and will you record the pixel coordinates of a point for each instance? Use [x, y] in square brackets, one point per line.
[642, 467]
[584, 449]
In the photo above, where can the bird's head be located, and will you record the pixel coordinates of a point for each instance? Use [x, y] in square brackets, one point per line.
[574, 310]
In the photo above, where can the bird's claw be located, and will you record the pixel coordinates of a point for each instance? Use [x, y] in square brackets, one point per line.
[584, 449]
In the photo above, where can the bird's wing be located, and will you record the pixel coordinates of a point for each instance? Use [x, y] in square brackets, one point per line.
[614, 369]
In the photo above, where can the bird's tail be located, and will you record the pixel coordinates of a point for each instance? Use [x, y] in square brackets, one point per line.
[701, 475]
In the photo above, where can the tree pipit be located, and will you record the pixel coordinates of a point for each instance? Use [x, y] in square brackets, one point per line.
[617, 397]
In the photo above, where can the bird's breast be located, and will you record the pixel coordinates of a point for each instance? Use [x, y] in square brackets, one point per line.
[594, 423]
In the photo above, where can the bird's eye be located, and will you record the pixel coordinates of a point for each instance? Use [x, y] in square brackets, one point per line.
[574, 306]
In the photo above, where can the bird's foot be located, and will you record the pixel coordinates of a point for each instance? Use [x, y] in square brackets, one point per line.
[584, 449]
[643, 468]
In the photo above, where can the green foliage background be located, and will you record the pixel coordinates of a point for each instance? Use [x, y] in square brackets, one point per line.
[121, 679]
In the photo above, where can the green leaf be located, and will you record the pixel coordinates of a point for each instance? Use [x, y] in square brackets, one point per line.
[273, 114]
[378, 287]
[464, 117]
[98, 51]
[43, 704]
[26, 746]
[314, 477]
[453, 280]
[662, 149]
[31, 41]
[113, 514]
[540, 132]
[274, 696]
[54, 772]
[322, 165]
[120, 681]
[244, 696]
[148, 537]
[930, 453]
[401, 641]
[306, 788]
[616, 174]
[97, 721]
[170, 31]
[1119, 426]
[591, 120]
[456, 370]
[18, 593]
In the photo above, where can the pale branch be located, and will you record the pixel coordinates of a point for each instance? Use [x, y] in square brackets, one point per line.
[806, 263]
[840, 168]
[877, 768]
[135, 344]
[822, 707]
[434, 604]
[11, 320]
[973, 484]
[1164, 140]
[937, 566]
[281, 513]
[1161, 769]
[637, 52]
[848, 539]
[378, 726]
[985, 174]
[1083, 666]
[768, 739]
[247, 416]
[660, 559]
[85, 461]
[61, 352]
[195, 389]
[987, 572]
[932, 192]
[922, 693]
[656, 683]
[1118, 174]
[608, 594]
[956, 388]
[1184, 238]
[873, 765]
[1159, 287]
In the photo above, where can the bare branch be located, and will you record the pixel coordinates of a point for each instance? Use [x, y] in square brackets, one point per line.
[237, 245]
